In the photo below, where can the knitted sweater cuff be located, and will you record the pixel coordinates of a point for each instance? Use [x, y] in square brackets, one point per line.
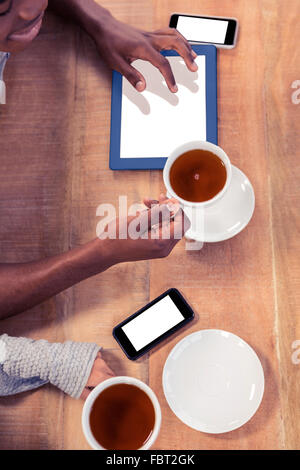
[65, 365]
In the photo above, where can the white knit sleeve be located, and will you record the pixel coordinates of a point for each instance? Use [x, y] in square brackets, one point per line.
[65, 365]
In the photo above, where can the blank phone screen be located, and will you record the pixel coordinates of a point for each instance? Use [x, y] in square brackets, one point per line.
[152, 323]
[202, 29]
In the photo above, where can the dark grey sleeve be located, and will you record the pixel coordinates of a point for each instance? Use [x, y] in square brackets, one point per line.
[26, 364]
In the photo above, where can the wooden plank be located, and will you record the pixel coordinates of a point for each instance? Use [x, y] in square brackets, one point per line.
[35, 190]
[281, 49]
[230, 284]
[98, 304]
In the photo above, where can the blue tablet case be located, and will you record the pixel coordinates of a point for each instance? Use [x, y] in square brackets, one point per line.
[117, 163]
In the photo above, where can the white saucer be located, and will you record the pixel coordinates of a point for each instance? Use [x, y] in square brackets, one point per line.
[213, 381]
[230, 215]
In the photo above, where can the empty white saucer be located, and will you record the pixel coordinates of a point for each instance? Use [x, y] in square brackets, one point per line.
[213, 381]
[229, 215]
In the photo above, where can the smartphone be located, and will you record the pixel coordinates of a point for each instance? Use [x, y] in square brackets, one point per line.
[222, 32]
[153, 323]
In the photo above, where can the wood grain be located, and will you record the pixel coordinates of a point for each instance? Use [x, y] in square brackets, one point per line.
[281, 45]
[54, 135]
[229, 283]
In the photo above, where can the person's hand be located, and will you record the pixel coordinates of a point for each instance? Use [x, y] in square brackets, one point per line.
[120, 44]
[100, 372]
[152, 233]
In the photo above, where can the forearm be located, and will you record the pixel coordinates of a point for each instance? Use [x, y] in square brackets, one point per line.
[25, 285]
[87, 13]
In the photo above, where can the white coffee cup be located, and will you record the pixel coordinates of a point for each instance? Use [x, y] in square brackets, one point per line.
[106, 384]
[196, 145]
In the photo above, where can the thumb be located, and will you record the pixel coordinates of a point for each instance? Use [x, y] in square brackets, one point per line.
[150, 202]
[133, 76]
[85, 393]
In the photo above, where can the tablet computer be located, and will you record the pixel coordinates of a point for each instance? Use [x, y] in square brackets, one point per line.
[146, 127]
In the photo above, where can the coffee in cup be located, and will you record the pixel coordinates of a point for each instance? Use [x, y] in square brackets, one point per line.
[121, 413]
[197, 174]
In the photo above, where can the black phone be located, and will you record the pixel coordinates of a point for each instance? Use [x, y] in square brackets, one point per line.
[153, 323]
[220, 31]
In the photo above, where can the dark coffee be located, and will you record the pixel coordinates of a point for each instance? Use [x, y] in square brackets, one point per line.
[122, 417]
[198, 175]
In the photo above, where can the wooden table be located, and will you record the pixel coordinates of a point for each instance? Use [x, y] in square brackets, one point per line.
[54, 136]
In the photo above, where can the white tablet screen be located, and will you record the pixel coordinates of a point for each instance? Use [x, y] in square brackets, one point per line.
[156, 121]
